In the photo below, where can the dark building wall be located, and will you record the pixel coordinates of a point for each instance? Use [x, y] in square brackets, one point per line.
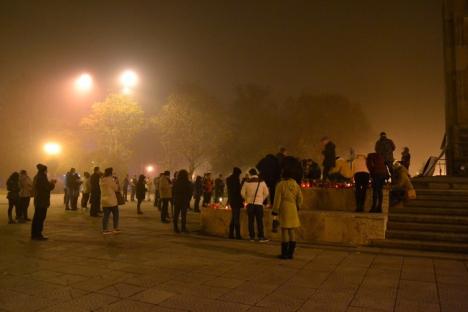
[455, 14]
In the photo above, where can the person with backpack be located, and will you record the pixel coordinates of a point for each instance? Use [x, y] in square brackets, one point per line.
[255, 191]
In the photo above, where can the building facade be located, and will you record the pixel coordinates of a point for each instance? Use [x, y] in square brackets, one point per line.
[455, 16]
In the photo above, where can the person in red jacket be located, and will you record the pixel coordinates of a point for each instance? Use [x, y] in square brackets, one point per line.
[207, 190]
[378, 173]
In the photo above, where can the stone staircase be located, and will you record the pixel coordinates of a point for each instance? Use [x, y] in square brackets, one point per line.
[436, 221]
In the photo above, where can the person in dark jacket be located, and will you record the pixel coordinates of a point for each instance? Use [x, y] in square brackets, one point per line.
[207, 189]
[95, 193]
[329, 156]
[270, 172]
[197, 193]
[385, 147]
[182, 193]
[235, 201]
[13, 188]
[42, 188]
[125, 185]
[378, 173]
[73, 186]
[405, 158]
[140, 192]
[219, 189]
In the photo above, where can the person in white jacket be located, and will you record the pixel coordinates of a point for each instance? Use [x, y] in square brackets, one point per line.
[255, 191]
[361, 180]
[109, 203]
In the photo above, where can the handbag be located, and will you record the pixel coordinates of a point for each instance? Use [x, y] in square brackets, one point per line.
[120, 199]
[411, 194]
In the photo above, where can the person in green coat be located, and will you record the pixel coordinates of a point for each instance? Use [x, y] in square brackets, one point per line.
[288, 199]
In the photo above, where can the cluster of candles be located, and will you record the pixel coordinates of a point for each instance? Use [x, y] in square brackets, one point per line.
[334, 185]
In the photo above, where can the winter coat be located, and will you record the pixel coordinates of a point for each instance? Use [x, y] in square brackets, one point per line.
[182, 192]
[250, 187]
[165, 187]
[385, 147]
[269, 169]
[42, 188]
[234, 191]
[108, 189]
[26, 186]
[156, 184]
[401, 179]
[342, 167]
[86, 185]
[329, 155]
[13, 188]
[219, 186]
[207, 185]
[94, 182]
[288, 199]
[376, 165]
[198, 188]
[359, 164]
[405, 159]
[141, 190]
[73, 181]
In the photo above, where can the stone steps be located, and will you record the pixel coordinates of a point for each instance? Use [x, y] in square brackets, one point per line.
[428, 218]
[427, 227]
[429, 210]
[421, 245]
[427, 236]
[442, 202]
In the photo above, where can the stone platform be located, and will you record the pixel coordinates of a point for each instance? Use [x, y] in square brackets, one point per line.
[327, 216]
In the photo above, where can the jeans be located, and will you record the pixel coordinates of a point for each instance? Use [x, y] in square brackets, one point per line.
[378, 183]
[84, 200]
[234, 226]
[37, 226]
[255, 213]
[115, 217]
[206, 198]
[139, 201]
[95, 204]
[196, 206]
[361, 180]
[180, 210]
[13, 203]
[164, 209]
[23, 207]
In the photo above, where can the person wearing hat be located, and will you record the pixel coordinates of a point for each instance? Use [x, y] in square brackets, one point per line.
[385, 147]
[42, 188]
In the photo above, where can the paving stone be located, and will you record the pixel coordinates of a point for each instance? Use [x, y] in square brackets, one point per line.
[121, 290]
[133, 306]
[224, 282]
[153, 295]
[202, 305]
[88, 302]
[381, 298]
[281, 302]
[416, 306]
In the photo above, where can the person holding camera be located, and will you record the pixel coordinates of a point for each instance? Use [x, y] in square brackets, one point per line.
[288, 199]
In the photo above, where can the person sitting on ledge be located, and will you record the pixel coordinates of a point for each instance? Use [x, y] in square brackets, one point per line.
[401, 184]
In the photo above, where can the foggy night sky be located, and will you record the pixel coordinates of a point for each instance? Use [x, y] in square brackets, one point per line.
[385, 54]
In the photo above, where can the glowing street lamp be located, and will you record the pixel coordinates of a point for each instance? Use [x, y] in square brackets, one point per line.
[149, 168]
[52, 148]
[84, 83]
[129, 80]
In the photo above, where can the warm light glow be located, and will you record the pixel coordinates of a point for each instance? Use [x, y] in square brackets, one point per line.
[52, 148]
[128, 79]
[84, 83]
[149, 168]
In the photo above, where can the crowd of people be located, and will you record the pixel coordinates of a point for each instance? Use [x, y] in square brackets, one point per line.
[275, 181]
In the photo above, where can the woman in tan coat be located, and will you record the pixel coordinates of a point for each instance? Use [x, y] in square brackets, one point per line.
[288, 199]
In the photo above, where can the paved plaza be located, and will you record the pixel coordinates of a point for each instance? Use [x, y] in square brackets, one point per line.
[148, 268]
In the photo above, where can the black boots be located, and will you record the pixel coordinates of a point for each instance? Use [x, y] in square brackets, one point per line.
[287, 250]
[292, 248]
[284, 250]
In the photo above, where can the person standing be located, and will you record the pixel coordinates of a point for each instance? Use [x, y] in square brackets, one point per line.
[41, 188]
[125, 184]
[95, 193]
[108, 186]
[73, 189]
[219, 189]
[378, 173]
[288, 199]
[361, 180]
[86, 190]
[235, 201]
[165, 191]
[329, 156]
[385, 147]
[197, 193]
[255, 191]
[182, 193]
[140, 192]
[207, 189]
[270, 172]
[25, 193]
[13, 188]
[156, 191]
[133, 183]
[405, 158]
